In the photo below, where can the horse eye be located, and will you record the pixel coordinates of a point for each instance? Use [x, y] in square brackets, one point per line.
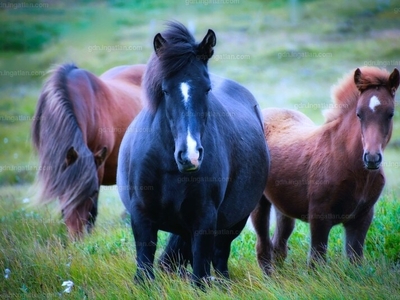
[208, 90]
[390, 115]
[165, 92]
[359, 116]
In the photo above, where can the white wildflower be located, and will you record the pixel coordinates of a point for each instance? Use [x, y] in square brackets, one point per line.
[7, 273]
[69, 284]
[26, 200]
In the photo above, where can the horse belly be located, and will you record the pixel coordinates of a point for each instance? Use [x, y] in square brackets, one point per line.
[287, 186]
[288, 200]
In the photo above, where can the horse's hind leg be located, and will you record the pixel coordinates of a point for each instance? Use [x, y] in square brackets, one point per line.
[176, 255]
[222, 247]
[260, 219]
[356, 231]
[283, 230]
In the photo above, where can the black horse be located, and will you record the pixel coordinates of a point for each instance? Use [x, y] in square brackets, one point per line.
[195, 161]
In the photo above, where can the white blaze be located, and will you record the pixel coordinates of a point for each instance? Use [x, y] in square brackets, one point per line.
[374, 102]
[193, 154]
[191, 144]
[185, 91]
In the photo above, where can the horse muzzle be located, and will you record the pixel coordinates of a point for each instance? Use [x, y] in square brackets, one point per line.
[189, 162]
[372, 161]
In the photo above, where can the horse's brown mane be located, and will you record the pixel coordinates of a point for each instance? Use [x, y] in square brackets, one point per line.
[54, 129]
[345, 93]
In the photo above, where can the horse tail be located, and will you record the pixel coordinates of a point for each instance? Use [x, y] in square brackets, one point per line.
[54, 127]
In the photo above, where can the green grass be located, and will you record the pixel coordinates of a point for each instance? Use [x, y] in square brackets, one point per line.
[36, 250]
[267, 46]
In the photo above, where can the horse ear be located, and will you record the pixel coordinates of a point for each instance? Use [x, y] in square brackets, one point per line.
[394, 80]
[357, 79]
[158, 43]
[206, 47]
[100, 156]
[71, 156]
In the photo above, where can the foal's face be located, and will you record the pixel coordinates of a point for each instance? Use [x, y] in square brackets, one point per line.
[375, 111]
[186, 98]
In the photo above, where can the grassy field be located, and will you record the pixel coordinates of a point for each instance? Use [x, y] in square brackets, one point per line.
[287, 56]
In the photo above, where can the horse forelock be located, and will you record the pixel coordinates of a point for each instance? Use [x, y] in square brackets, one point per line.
[345, 93]
[54, 130]
[179, 51]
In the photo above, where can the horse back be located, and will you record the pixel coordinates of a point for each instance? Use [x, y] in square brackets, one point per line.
[280, 121]
[130, 73]
[105, 106]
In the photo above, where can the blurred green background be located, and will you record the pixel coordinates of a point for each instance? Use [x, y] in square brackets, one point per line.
[287, 52]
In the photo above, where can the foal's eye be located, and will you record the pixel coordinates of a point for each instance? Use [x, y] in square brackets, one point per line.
[359, 116]
[390, 115]
[208, 90]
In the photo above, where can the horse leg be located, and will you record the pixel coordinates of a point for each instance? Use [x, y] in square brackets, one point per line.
[320, 229]
[145, 235]
[260, 219]
[222, 248]
[176, 255]
[202, 250]
[283, 230]
[92, 218]
[356, 231]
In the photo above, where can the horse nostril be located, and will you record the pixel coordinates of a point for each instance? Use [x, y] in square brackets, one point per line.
[201, 151]
[372, 161]
[180, 157]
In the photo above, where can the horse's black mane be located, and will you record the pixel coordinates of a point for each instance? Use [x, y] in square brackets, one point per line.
[180, 50]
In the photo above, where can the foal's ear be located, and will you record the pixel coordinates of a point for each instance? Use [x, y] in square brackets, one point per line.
[357, 79]
[206, 47]
[100, 156]
[394, 80]
[158, 43]
[71, 157]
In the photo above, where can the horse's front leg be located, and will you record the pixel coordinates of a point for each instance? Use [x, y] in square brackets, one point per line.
[202, 248]
[92, 215]
[177, 254]
[222, 247]
[320, 227]
[260, 219]
[356, 231]
[145, 234]
[283, 230]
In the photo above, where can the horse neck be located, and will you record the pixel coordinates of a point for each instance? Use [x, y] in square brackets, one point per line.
[345, 136]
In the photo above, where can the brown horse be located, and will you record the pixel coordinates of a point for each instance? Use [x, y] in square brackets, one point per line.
[328, 174]
[78, 126]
